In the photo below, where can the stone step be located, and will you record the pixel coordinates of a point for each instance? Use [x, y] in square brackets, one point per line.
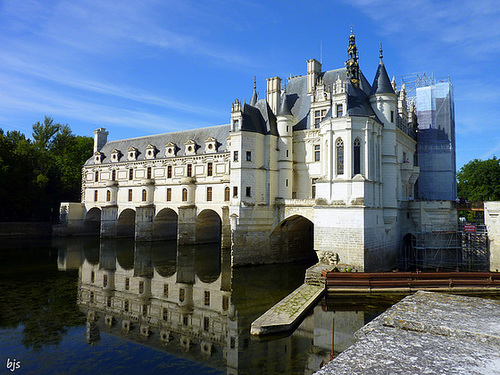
[287, 313]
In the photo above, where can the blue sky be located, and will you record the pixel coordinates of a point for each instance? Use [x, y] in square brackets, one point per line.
[145, 67]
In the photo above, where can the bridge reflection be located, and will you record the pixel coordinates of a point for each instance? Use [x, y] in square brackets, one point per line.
[190, 302]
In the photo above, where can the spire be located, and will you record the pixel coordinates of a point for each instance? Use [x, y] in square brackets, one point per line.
[255, 96]
[284, 109]
[352, 65]
[381, 83]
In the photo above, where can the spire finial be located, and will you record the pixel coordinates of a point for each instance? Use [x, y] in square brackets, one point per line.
[254, 82]
[381, 54]
[352, 65]
[351, 28]
[255, 96]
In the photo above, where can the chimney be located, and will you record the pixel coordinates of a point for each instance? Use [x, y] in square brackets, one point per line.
[100, 139]
[273, 93]
[313, 72]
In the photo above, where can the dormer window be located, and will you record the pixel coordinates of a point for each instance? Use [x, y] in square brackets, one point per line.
[115, 155]
[133, 153]
[98, 157]
[151, 152]
[210, 145]
[190, 147]
[236, 125]
[319, 115]
[340, 110]
[170, 149]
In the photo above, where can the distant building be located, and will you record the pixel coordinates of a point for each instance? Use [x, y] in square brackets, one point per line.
[323, 165]
[436, 141]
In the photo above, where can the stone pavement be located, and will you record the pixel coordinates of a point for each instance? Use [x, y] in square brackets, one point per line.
[427, 333]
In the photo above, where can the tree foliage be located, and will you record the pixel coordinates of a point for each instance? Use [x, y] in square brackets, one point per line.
[36, 175]
[479, 180]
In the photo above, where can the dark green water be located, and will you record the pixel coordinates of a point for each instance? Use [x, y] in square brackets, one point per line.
[84, 306]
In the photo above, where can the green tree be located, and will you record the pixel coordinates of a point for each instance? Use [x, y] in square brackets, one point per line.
[479, 180]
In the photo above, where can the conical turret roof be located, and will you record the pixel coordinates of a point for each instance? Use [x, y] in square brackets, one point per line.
[284, 109]
[381, 83]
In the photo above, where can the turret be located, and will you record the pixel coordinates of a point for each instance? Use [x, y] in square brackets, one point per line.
[285, 146]
[236, 116]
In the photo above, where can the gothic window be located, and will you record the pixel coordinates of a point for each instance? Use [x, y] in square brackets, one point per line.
[317, 152]
[169, 171]
[189, 170]
[149, 173]
[209, 169]
[209, 194]
[340, 156]
[227, 193]
[144, 195]
[340, 110]
[169, 194]
[184, 194]
[357, 156]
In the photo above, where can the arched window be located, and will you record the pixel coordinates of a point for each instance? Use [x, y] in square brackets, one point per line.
[144, 195]
[108, 195]
[227, 193]
[184, 194]
[340, 156]
[357, 156]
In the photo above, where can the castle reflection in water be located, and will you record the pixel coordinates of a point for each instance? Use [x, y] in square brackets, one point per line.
[188, 301]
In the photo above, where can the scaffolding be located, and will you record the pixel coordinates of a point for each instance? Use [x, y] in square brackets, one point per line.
[461, 250]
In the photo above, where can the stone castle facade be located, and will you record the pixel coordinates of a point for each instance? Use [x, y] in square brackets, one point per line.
[323, 164]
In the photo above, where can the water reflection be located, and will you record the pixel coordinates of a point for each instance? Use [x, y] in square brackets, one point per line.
[189, 301]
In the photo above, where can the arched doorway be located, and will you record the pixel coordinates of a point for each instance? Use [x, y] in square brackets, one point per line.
[208, 227]
[165, 225]
[407, 258]
[125, 225]
[92, 221]
[293, 239]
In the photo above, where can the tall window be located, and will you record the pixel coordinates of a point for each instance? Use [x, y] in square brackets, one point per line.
[181, 294]
[169, 171]
[149, 173]
[357, 156]
[189, 170]
[227, 193]
[95, 195]
[108, 196]
[96, 177]
[209, 194]
[130, 174]
[392, 116]
[127, 283]
[235, 191]
[141, 287]
[130, 195]
[144, 195]
[209, 169]
[340, 156]
[113, 175]
[249, 155]
[207, 298]
[319, 115]
[236, 125]
[317, 152]
[235, 156]
[104, 281]
[248, 191]
[165, 290]
[169, 194]
[340, 110]
[184, 194]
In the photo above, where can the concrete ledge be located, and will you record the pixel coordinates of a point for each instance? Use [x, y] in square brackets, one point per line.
[287, 313]
[427, 333]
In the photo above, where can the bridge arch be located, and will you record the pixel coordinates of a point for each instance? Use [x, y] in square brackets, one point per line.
[92, 221]
[208, 227]
[165, 225]
[125, 225]
[293, 239]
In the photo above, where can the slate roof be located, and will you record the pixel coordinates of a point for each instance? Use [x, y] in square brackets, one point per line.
[381, 83]
[220, 133]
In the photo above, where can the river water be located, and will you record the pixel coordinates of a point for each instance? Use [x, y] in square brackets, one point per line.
[82, 305]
